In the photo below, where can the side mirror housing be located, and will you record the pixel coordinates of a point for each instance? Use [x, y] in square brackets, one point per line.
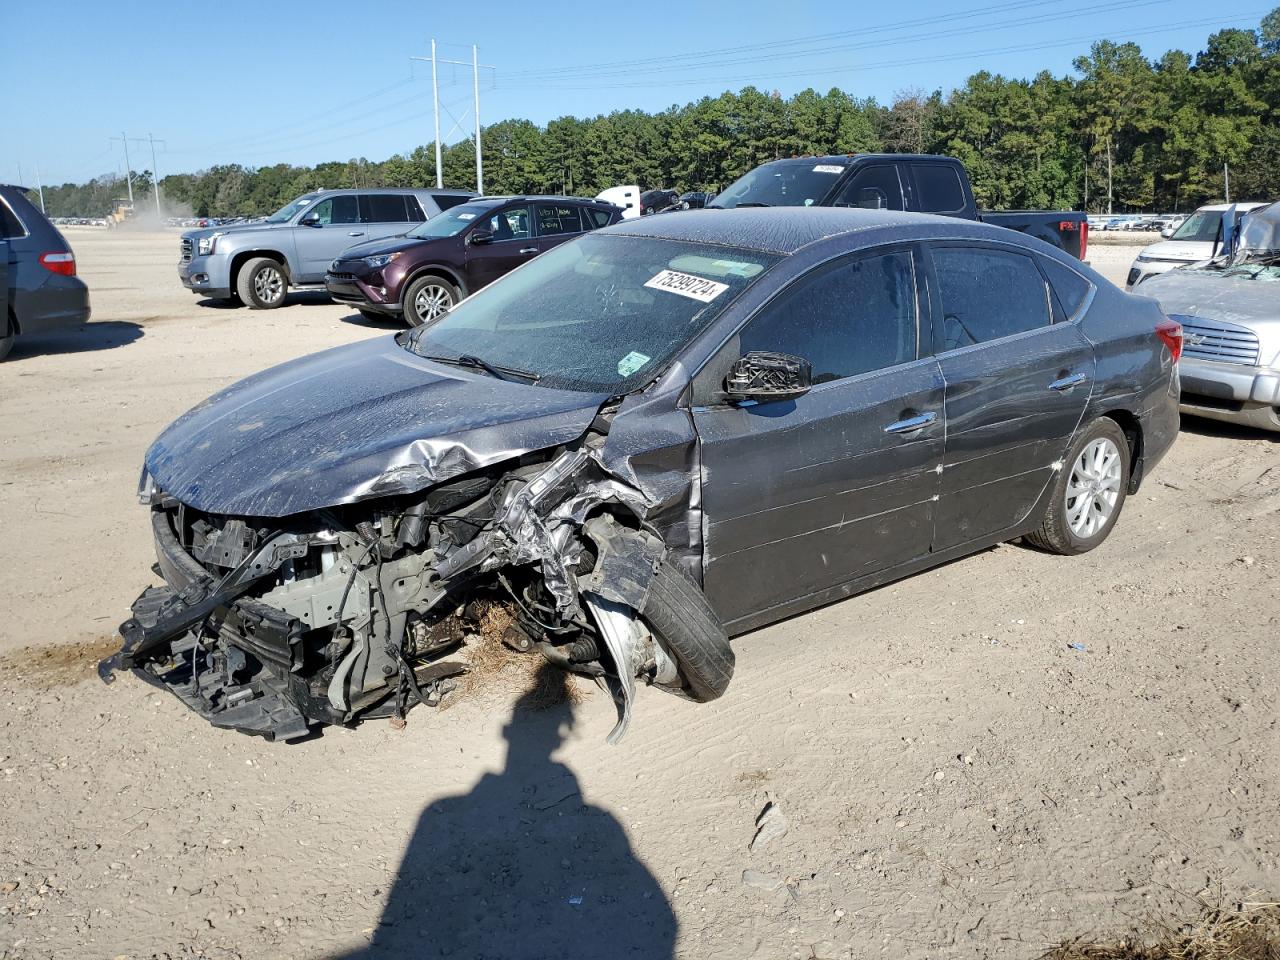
[1167, 232]
[310, 220]
[479, 237]
[763, 376]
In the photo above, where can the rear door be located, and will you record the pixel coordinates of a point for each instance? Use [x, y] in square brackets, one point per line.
[557, 222]
[338, 225]
[802, 496]
[1017, 383]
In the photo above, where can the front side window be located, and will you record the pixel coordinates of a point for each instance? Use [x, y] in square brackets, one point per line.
[847, 318]
[783, 183]
[290, 209]
[513, 223]
[558, 218]
[603, 314]
[341, 209]
[874, 188]
[988, 294]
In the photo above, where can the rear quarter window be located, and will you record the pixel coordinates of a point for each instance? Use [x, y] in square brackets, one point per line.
[1069, 288]
[598, 218]
[10, 225]
[938, 188]
[446, 200]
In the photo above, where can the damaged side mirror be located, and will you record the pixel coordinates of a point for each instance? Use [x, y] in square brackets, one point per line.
[763, 376]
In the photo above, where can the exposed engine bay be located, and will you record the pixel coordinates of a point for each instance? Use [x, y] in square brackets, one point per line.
[273, 626]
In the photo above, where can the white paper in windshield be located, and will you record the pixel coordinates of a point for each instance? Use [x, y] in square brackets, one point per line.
[828, 168]
[466, 216]
[632, 362]
[687, 285]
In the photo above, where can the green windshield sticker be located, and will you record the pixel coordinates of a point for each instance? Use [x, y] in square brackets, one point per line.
[632, 362]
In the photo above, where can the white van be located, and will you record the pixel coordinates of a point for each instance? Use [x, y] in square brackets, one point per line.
[628, 198]
[1194, 240]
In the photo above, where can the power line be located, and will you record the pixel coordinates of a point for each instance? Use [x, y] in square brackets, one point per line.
[883, 64]
[914, 38]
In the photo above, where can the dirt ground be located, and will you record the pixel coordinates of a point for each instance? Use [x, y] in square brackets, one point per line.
[976, 762]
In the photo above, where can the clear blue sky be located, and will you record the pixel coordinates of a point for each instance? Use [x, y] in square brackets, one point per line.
[254, 82]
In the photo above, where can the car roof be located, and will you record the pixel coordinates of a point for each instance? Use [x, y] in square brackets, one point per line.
[1248, 205]
[327, 192]
[540, 197]
[785, 229]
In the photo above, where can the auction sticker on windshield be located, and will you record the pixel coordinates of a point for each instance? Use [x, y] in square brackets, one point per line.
[828, 168]
[687, 285]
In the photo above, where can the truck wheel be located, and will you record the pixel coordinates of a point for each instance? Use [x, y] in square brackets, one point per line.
[678, 613]
[261, 283]
[7, 337]
[1088, 493]
[427, 298]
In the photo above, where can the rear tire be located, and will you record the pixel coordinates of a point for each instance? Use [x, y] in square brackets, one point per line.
[1088, 493]
[262, 283]
[7, 338]
[678, 613]
[427, 298]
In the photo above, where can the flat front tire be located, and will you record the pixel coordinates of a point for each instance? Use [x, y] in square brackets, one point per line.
[1088, 493]
[677, 611]
[262, 283]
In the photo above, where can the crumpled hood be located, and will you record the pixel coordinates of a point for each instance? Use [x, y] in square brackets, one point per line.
[366, 420]
[1208, 294]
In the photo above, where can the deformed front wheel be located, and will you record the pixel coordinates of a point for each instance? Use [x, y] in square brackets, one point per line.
[261, 283]
[1088, 493]
[678, 613]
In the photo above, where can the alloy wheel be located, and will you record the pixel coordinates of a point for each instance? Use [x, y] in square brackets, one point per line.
[268, 284]
[1094, 488]
[431, 302]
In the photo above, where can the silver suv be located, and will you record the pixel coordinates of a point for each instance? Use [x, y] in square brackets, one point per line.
[256, 263]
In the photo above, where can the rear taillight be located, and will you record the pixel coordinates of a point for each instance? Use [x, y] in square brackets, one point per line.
[1170, 334]
[1084, 239]
[63, 263]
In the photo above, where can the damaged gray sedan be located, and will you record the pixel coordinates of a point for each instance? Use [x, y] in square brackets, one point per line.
[660, 435]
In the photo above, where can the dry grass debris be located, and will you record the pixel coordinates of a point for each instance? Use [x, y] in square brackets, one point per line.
[1242, 931]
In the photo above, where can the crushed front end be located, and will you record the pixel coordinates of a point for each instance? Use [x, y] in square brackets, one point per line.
[276, 626]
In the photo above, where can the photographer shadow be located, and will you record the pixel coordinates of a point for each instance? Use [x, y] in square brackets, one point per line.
[521, 866]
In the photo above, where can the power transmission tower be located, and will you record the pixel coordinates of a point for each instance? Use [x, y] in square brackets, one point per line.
[128, 170]
[155, 174]
[475, 66]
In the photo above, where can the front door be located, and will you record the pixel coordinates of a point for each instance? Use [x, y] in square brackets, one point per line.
[334, 224]
[511, 243]
[800, 496]
[1017, 385]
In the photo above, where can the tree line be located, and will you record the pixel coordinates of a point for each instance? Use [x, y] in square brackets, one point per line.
[1124, 133]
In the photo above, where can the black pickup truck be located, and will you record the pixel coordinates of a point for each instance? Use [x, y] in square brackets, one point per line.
[894, 181]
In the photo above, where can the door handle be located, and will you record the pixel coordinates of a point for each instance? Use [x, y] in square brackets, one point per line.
[911, 424]
[528, 249]
[1066, 383]
[360, 234]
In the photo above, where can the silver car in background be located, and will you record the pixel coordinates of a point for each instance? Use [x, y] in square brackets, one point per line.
[1229, 308]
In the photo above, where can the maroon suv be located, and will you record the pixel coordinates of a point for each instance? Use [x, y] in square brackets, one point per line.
[423, 273]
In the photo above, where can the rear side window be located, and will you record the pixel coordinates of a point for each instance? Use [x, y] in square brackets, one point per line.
[446, 200]
[988, 294]
[848, 318]
[1069, 287]
[558, 218]
[876, 187]
[383, 207]
[600, 218]
[10, 225]
[938, 188]
[414, 209]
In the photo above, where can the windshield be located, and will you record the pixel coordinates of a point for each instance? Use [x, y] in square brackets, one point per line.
[601, 314]
[452, 222]
[787, 183]
[1201, 226]
[285, 213]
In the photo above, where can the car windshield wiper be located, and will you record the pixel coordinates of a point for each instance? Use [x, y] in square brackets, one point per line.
[754, 203]
[499, 371]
